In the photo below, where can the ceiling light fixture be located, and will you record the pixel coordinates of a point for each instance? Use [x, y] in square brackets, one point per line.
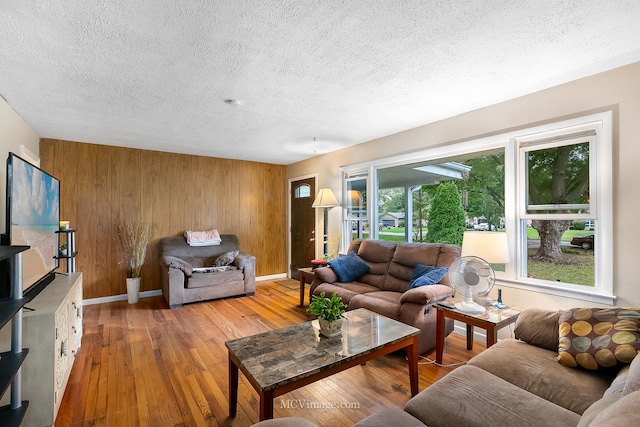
[233, 101]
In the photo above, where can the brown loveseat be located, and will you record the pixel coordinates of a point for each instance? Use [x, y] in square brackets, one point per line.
[383, 288]
[521, 383]
[182, 283]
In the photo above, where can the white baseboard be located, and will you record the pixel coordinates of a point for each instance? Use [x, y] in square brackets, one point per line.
[157, 292]
[272, 277]
[479, 334]
[102, 300]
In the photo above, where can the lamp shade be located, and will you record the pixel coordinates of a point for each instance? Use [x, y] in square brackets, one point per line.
[491, 246]
[325, 199]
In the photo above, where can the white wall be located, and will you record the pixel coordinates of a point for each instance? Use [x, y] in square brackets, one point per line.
[13, 132]
[617, 90]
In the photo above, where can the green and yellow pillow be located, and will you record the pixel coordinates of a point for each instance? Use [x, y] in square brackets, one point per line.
[595, 338]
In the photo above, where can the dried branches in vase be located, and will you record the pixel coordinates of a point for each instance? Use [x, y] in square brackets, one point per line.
[133, 238]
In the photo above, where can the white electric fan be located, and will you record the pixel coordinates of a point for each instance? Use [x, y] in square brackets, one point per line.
[471, 277]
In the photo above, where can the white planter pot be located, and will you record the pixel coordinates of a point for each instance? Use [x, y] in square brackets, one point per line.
[330, 329]
[133, 289]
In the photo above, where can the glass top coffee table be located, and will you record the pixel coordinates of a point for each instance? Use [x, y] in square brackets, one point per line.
[283, 360]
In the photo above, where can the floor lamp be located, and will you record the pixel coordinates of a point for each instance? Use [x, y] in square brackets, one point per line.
[326, 200]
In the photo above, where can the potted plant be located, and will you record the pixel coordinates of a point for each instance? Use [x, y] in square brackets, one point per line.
[133, 238]
[63, 249]
[330, 312]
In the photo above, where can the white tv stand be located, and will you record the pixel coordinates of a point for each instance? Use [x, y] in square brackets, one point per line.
[52, 330]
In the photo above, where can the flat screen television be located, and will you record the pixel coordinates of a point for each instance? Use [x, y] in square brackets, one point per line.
[33, 217]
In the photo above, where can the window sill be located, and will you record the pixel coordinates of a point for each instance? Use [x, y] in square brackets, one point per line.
[590, 296]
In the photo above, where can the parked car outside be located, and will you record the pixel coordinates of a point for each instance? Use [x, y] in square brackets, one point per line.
[585, 242]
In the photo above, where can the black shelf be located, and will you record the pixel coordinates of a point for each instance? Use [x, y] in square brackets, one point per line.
[70, 257]
[9, 365]
[9, 308]
[9, 251]
[13, 417]
[11, 361]
[73, 255]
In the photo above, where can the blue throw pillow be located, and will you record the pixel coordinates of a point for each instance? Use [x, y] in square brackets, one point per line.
[424, 275]
[348, 267]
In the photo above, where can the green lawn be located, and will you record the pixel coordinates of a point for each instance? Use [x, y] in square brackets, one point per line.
[532, 234]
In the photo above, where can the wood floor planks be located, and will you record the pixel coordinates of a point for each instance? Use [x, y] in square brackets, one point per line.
[146, 365]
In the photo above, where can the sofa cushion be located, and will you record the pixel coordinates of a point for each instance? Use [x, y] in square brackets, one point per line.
[597, 407]
[536, 370]
[632, 383]
[624, 412]
[617, 385]
[346, 291]
[219, 278]
[386, 303]
[425, 275]
[596, 338]
[349, 267]
[285, 422]
[226, 258]
[378, 255]
[470, 396]
[538, 327]
[386, 417]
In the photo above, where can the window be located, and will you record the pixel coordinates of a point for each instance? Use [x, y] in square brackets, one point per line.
[303, 191]
[561, 242]
[548, 187]
[357, 218]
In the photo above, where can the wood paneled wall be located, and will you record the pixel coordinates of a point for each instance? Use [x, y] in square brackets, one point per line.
[182, 192]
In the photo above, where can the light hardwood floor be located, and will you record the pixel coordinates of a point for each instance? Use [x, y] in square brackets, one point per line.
[146, 365]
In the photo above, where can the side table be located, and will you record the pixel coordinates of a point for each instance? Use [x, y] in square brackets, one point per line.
[493, 320]
[306, 276]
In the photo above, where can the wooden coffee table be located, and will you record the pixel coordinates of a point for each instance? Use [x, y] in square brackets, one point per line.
[493, 320]
[283, 360]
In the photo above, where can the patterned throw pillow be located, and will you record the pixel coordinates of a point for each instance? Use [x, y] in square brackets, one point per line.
[225, 259]
[596, 338]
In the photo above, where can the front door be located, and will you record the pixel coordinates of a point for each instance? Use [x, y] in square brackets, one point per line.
[302, 224]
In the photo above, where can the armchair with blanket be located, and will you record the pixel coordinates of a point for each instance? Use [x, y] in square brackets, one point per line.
[188, 274]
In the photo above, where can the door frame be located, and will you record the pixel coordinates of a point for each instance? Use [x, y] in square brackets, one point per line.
[290, 182]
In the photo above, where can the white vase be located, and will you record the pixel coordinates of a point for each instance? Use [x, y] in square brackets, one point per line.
[330, 329]
[133, 289]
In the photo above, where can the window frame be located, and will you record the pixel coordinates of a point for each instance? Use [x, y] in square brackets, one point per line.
[601, 165]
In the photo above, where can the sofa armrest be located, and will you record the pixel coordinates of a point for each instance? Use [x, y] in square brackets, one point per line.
[325, 275]
[243, 259]
[425, 295]
[247, 264]
[175, 262]
[539, 327]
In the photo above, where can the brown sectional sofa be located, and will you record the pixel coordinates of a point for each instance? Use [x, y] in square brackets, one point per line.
[521, 383]
[181, 285]
[518, 382]
[383, 289]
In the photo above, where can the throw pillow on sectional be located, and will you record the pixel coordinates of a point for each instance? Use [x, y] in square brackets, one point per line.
[595, 338]
[349, 267]
[226, 259]
[425, 275]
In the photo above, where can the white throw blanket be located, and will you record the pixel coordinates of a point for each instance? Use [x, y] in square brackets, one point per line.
[202, 238]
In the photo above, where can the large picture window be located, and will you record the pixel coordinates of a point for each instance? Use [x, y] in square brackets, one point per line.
[547, 187]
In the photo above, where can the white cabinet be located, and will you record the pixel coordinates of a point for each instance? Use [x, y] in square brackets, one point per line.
[52, 329]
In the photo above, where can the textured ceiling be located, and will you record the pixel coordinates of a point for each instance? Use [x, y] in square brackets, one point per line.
[154, 74]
